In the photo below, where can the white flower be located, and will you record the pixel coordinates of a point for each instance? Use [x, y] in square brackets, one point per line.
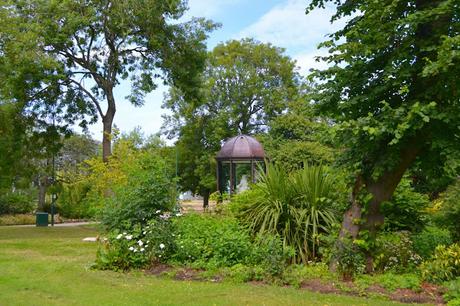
[131, 248]
[178, 214]
[129, 237]
[159, 255]
[140, 243]
[144, 232]
[158, 211]
[124, 233]
[142, 249]
[146, 245]
[135, 250]
[148, 241]
[119, 236]
[162, 246]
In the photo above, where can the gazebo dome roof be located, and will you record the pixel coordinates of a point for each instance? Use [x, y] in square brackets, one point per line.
[241, 147]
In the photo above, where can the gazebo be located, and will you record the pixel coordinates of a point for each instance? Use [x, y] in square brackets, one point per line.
[238, 163]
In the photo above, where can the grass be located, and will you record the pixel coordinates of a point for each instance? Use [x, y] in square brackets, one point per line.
[51, 266]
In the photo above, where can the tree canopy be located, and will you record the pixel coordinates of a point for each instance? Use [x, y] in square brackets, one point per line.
[66, 57]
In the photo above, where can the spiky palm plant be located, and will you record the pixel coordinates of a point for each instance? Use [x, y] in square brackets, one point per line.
[294, 206]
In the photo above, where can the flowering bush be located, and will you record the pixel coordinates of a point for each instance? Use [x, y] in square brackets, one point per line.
[123, 250]
[137, 247]
[200, 241]
[395, 252]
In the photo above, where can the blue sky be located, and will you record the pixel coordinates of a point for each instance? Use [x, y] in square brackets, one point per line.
[280, 22]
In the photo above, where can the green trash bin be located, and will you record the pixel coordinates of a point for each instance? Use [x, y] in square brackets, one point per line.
[41, 219]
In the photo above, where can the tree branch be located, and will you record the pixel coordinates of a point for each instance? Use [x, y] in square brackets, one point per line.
[90, 95]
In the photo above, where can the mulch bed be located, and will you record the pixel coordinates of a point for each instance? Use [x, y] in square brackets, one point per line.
[429, 293]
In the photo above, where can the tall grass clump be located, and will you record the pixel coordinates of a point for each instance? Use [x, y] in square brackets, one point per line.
[296, 206]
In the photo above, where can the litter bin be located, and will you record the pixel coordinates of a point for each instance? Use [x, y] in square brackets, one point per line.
[41, 219]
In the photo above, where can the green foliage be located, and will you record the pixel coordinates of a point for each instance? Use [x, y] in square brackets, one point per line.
[453, 291]
[299, 136]
[200, 241]
[394, 252]
[349, 258]
[426, 241]
[370, 90]
[211, 241]
[390, 281]
[135, 182]
[448, 215]
[297, 207]
[18, 202]
[405, 210]
[72, 200]
[444, 265]
[148, 189]
[294, 275]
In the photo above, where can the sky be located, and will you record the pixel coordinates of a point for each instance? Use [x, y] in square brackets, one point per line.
[282, 23]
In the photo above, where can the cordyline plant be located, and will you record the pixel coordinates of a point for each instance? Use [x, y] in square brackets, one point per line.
[296, 206]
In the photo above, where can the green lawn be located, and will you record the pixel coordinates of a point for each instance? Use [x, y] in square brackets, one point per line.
[50, 266]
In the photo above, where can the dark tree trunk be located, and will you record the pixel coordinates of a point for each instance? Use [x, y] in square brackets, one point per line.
[107, 122]
[206, 200]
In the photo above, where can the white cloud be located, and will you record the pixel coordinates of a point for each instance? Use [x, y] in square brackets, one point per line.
[209, 8]
[286, 25]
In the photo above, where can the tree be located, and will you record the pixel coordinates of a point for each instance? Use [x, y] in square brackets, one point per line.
[50, 48]
[244, 86]
[392, 87]
[299, 136]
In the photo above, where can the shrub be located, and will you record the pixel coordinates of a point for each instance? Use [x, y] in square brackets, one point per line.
[18, 202]
[296, 207]
[427, 240]
[405, 210]
[294, 275]
[444, 265]
[453, 291]
[448, 215]
[147, 189]
[349, 258]
[211, 241]
[390, 281]
[123, 250]
[138, 246]
[72, 200]
[394, 252]
[18, 219]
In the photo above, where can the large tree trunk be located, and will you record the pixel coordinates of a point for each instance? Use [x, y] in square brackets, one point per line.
[107, 122]
[381, 190]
